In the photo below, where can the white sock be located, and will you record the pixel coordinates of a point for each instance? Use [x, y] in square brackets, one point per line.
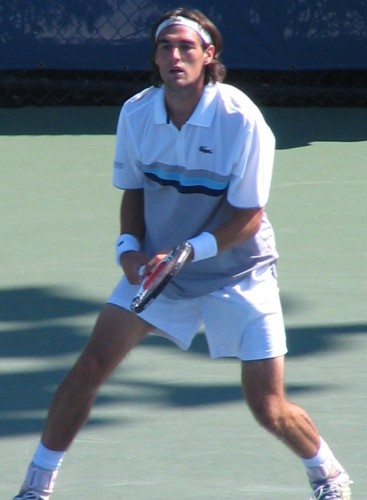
[47, 459]
[323, 464]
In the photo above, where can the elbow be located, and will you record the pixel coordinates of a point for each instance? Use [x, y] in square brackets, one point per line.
[257, 221]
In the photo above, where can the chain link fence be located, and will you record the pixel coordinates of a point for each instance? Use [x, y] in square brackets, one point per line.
[267, 88]
[91, 25]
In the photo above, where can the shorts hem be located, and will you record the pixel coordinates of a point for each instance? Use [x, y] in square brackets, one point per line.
[256, 356]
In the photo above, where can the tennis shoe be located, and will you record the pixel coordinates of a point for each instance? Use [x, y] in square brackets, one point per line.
[38, 484]
[29, 495]
[336, 488]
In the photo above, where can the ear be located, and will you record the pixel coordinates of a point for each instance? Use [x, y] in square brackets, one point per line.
[209, 53]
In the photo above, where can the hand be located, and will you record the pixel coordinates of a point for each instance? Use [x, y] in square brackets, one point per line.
[154, 261]
[131, 262]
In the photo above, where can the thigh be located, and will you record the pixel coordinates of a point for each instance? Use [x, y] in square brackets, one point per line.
[263, 376]
[115, 333]
[263, 382]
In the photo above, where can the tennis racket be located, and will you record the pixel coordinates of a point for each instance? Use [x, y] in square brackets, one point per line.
[158, 278]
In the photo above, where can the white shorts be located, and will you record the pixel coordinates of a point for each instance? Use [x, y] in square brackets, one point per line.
[244, 320]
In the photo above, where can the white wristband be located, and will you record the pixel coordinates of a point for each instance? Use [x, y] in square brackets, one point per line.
[125, 243]
[204, 246]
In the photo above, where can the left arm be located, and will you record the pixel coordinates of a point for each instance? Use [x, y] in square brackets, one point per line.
[241, 227]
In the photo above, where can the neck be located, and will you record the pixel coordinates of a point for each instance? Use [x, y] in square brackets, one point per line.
[181, 105]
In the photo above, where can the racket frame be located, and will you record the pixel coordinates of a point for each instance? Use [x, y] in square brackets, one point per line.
[148, 289]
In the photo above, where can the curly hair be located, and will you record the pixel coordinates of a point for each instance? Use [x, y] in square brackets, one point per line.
[215, 71]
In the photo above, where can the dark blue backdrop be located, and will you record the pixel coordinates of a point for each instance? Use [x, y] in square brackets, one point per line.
[114, 34]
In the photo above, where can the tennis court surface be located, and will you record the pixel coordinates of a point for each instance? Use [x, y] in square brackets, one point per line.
[172, 425]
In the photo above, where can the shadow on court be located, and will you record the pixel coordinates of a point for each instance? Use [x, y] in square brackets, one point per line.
[32, 330]
[293, 127]
[35, 333]
[30, 304]
[298, 127]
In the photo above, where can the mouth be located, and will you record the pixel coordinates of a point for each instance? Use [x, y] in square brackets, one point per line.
[176, 71]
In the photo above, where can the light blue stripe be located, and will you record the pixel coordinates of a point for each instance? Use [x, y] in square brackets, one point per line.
[185, 180]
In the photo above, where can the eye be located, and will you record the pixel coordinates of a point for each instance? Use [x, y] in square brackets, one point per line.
[164, 47]
[186, 46]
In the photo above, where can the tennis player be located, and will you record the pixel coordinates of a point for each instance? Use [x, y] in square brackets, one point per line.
[194, 157]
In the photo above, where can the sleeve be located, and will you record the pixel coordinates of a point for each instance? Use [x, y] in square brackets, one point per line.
[250, 182]
[126, 173]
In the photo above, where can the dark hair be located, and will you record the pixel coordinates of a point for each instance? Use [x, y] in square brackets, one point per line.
[215, 71]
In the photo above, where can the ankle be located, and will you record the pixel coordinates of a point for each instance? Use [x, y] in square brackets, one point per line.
[39, 481]
[47, 459]
[323, 465]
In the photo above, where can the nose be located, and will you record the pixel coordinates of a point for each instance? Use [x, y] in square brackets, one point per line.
[175, 53]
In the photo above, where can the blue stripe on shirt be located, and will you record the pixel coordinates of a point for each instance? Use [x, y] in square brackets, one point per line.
[187, 181]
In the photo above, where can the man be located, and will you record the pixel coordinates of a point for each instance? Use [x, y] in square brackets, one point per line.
[195, 158]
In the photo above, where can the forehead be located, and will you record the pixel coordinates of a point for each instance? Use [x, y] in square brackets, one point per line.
[179, 32]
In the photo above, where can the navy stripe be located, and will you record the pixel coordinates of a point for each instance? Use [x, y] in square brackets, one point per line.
[187, 189]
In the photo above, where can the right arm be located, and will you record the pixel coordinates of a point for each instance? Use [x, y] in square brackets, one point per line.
[132, 213]
[132, 222]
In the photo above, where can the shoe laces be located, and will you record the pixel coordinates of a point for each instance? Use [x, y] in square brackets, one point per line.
[331, 491]
[29, 495]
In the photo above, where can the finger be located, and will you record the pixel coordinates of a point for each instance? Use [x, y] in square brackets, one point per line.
[142, 271]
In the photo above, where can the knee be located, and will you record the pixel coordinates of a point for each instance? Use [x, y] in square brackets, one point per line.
[87, 374]
[270, 413]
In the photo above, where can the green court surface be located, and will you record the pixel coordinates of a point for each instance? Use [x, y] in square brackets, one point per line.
[172, 425]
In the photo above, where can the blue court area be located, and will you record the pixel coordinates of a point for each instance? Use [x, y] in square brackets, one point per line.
[172, 425]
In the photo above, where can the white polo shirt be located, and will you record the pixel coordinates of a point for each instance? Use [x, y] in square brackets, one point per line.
[194, 178]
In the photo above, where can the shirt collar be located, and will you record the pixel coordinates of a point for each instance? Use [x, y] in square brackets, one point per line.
[203, 113]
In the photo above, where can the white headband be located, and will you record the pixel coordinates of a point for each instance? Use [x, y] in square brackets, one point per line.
[184, 21]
